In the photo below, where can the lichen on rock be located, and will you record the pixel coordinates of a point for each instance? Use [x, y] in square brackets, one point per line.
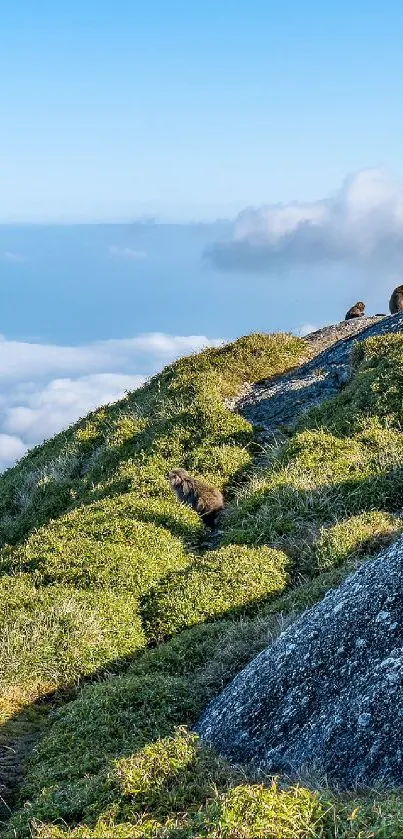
[328, 692]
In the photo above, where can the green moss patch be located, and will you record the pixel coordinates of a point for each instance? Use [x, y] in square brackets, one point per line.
[235, 578]
[117, 717]
[174, 786]
[102, 544]
[365, 534]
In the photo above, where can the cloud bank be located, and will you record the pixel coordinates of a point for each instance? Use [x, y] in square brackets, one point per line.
[44, 388]
[360, 224]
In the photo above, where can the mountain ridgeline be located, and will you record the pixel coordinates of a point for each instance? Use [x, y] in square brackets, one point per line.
[123, 618]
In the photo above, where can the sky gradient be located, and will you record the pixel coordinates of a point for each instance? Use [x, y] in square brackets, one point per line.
[265, 138]
[192, 111]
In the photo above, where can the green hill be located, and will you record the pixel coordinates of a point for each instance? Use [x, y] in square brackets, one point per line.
[121, 618]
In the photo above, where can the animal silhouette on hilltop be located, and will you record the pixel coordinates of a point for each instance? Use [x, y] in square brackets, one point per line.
[395, 306]
[356, 311]
[396, 300]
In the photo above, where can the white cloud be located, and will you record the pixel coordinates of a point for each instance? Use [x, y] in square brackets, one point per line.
[62, 401]
[19, 360]
[360, 224]
[127, 253]
[44, 388]
[11, 448]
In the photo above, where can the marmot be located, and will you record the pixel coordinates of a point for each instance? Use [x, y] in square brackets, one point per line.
[356, 311]
[396, 300]
[206, 500]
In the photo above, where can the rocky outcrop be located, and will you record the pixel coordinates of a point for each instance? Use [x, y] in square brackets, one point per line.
[277, 403]
[328, 693]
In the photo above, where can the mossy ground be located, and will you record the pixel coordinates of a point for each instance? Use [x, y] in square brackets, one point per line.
[98, 560]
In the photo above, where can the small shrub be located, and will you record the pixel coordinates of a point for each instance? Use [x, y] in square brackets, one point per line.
[252, 811]
[235, 578]
[125, 430]
[114, 718]
[223, 460]
[171, 775]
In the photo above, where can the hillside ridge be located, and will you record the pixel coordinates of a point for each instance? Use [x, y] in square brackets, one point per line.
[276, 404]
[121, 620]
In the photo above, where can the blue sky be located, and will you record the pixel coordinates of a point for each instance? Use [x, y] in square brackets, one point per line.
[277, 124]
[192, 110]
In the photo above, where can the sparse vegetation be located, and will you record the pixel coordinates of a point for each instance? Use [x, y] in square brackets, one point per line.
[98, 559]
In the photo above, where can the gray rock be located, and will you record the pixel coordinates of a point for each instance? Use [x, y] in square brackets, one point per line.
[328, 692]
[276, 404]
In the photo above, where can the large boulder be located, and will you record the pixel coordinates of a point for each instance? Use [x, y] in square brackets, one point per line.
[328, 693]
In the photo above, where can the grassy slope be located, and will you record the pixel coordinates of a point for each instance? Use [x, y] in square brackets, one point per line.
[98, 560]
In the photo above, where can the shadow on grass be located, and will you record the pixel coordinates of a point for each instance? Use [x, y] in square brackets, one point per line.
[284, 515]
[172, 682]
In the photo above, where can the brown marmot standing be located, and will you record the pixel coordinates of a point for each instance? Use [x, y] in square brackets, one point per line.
[356, 311]
[206, 500]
